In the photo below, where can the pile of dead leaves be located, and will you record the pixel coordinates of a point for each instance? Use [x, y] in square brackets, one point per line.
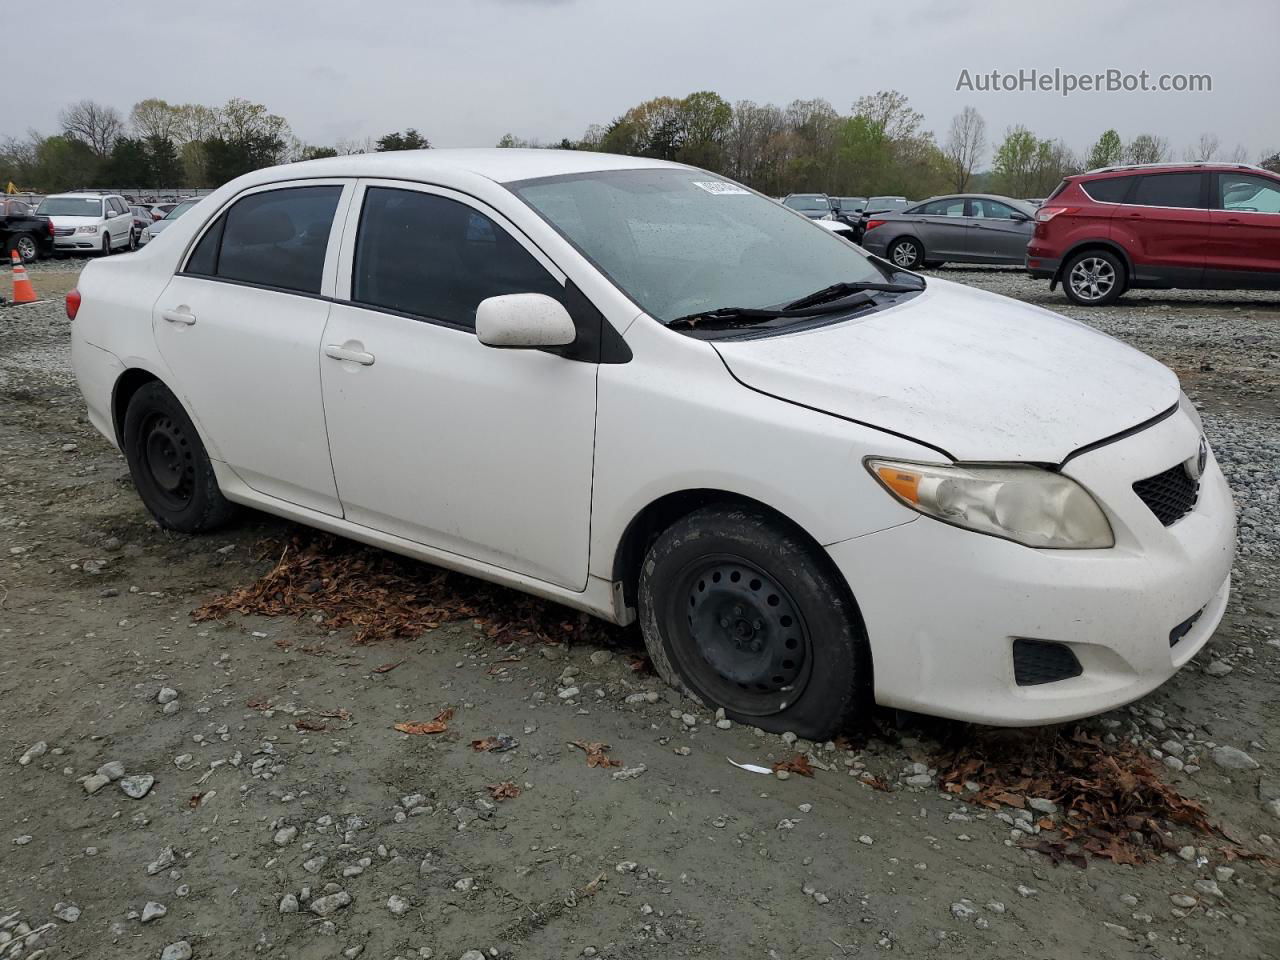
[1112, 800]
[383, 596]
[422, 728]
[798, 764]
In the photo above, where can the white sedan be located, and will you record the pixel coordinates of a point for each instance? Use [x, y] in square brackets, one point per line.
[644, 391]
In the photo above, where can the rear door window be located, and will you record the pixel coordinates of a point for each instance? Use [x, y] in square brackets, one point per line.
[434, 258]
[1247, 193]
[276, 238]
[1168, 190]
[1110, 190]
[950, 207]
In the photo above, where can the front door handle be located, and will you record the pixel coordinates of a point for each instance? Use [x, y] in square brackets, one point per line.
[180, 315]
[339, 352]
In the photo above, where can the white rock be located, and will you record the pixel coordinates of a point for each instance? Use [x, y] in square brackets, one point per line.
[289, 903]
[166, 695]
[68, 912]
[112, 770]
[285, 836]
[963, 910]
[138, 786]
[330, 903]
[153, 911]
[1229, 758]
[162, 862]
[35, 750]
[398, 906]
[177, 951]
[95, 783]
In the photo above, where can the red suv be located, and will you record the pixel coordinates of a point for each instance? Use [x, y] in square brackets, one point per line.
[1208, 226]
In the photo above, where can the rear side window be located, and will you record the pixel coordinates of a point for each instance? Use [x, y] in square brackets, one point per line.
[1110, 190]
[274, 239]
[432, 257]
[950, 207]
[1246, 193]
[1168, 190]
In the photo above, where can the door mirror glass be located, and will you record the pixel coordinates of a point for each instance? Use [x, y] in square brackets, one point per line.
[524, 320]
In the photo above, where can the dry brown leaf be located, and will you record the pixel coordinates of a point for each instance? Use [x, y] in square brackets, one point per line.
[258, 703]
[504, 791]
[388, 667]
[797, 764]
[306, 723]
[439, 725]
[595, 751]
[194, 800]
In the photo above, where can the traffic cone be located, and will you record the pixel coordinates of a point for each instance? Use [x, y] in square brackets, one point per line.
[23, 292]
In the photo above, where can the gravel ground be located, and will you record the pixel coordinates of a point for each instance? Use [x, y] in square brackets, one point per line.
[178, 789]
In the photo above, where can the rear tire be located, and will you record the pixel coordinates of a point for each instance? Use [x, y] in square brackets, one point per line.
[169, 465]
[106, 245]
[906, 252]
[1094, 278]
[739, 611]
[25, 244]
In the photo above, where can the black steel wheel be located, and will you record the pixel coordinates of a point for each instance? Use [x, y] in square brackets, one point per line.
[169, 465]
[740, 611]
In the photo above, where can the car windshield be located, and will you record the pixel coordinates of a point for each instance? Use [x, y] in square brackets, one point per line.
[807, 203]
[681, 241]
[70, 207]
[180, 209]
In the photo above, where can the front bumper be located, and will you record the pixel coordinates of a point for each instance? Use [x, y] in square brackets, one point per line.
[83, 241]
[942, 617]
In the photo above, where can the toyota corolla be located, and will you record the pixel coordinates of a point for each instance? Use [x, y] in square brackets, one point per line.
[647, 392]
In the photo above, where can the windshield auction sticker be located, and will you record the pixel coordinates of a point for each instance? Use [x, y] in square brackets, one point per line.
[720, 187]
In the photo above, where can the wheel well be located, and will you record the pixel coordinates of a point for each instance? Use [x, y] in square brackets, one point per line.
[663, 512]
[1103, 245]
[126, 386]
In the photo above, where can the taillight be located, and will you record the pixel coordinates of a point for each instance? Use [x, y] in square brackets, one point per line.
[1045, 214]
[49, 224]
[872, 224]
[73, 303]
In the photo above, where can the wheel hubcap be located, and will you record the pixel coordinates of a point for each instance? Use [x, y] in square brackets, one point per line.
[1092, 278]
[168, 460]
[26, 249]
[904, 254]
[748, 645]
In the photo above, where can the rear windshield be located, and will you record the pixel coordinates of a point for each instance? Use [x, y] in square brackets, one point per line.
[70, 207]
[807, 203]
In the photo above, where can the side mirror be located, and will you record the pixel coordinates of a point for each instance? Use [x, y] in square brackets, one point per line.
[1019, 217]
[524, 320]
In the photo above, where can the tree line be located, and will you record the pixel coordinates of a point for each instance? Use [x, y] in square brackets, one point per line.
[880, 147]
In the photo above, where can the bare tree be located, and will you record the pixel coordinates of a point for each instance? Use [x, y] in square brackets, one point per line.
[92, 123]
[194, 121]
[1239, 155]
[1206, 148]
[350, 147]
[965, 147]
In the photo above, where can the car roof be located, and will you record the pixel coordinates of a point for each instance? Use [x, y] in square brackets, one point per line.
[83, 195]
[1174, 167]
[500, 164]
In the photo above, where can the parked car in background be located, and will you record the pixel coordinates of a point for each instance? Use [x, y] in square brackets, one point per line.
[668, 400]
[141, 220]
[22, 230]
[1207, 226]
[88, 222]
[962, 228]
[849, 211]
[839, 228]
[149, 233]
[815, 206]
[161, 210]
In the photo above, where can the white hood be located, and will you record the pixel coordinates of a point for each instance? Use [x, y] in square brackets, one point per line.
[980, 376]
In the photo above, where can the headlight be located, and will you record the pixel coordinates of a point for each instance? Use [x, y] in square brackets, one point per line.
[829, 216]
[146, 234]
[1028, 505]
[86, 229]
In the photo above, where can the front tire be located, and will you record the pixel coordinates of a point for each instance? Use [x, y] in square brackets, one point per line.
[907, 253]
[1094, 278]
[169, 465]
[739, 611]
[106, 245]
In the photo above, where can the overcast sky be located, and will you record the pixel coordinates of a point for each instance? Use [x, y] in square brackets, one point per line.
[466, 71]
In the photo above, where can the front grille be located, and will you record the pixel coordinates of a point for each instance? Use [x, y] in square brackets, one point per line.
[1170, 495]
[64, 231]
[1042, 661]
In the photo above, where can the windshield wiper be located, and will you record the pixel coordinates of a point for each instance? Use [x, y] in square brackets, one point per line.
[750, 316]
[843, 289]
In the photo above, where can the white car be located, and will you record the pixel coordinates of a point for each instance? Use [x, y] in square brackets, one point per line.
[646, 392]
[88, 222]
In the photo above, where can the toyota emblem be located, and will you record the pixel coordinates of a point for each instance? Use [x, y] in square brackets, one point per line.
[1195, 468]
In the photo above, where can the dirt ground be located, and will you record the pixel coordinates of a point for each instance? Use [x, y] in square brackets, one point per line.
[287, 818]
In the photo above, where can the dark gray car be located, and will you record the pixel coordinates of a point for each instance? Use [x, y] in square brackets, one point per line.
[965, 228]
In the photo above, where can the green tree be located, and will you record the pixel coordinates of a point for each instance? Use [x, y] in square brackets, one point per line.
[411, 139]
[1147, 148]
[703, 120]
[128, 165]
[164, 165]
[63, 163]
[1107, 151]
[318, 153]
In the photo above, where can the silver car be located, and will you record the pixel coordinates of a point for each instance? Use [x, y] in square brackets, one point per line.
[149, 233]
[965, 228]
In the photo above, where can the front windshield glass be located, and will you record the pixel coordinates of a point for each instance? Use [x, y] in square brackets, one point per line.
[682, 241]
[807, 204]
[180, 209]
[70, 207]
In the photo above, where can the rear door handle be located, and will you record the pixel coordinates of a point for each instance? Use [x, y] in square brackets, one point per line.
[339, 352]
[179, 315]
